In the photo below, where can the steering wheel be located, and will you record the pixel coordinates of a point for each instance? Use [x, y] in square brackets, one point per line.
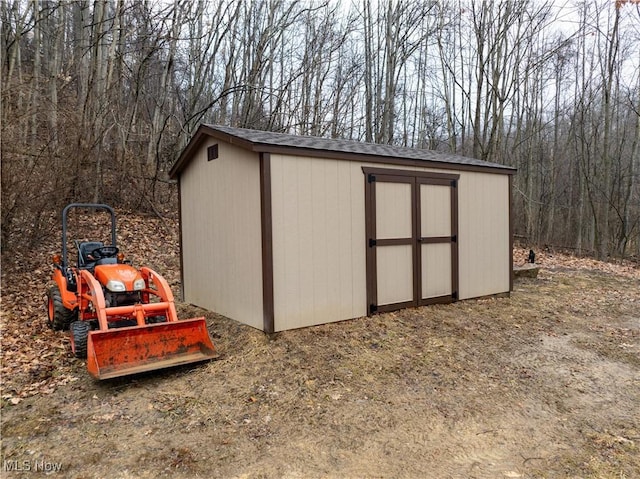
[104, 252]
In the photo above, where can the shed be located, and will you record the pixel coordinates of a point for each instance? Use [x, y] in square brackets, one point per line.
[280, 231]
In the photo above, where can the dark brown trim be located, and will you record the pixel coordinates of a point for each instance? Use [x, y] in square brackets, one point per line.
[455, 275]
[387, 160]
[393, 178]
[205, 131]
[423, 176]
[437, 300]
[417, 237]
[385, 308]
[367, 237]
[417, 249]
[372, 178]
[186, 155]
[510, 233]
[267, 244]
[372, 257]
[180, 242]
[394, 242]
[435, 239]
[415, 179]
[452, 240]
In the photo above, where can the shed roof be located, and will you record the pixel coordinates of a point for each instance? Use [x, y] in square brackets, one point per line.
[271, 142]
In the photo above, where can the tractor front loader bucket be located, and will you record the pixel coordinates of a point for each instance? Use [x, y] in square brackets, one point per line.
[135, 349]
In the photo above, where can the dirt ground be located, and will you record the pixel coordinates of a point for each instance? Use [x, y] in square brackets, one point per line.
[543, 384]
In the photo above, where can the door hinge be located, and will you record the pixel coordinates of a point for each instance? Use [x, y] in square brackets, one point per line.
[454, 239]
[454, 296]
[372, 243]
[373, 308]
[371, 178]
[454, 183]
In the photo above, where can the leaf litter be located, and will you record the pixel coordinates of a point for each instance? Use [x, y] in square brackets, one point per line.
[495, 387]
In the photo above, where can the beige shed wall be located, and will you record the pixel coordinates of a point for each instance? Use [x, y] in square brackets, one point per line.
[483, 229]
[318, 241]
[221, 233]
[319, 256]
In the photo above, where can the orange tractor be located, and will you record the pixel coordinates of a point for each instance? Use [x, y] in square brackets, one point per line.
[123, 320]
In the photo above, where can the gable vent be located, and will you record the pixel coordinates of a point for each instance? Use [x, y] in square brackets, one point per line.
[212, 152]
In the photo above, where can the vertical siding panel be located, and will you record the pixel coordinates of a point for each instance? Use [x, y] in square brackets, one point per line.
[332, 226]
[467, 241]
[294, 237]
[303, 244]
[319, 243]
[358, 242]
[501, 233]
[319, 237]
[277, 225]
[343, 239]
[222, 233]
[484, 235]
[319, 216]
[473, 239]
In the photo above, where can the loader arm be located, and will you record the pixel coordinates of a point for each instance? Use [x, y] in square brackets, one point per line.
[90, 294]
[113, 352]
[161, 290]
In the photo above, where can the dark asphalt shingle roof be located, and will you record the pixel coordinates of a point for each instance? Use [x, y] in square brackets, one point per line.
[264, 141]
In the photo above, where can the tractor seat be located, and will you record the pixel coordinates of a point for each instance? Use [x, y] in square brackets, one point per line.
[84, 249]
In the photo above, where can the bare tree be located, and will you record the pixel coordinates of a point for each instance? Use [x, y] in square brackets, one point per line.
[100, 96]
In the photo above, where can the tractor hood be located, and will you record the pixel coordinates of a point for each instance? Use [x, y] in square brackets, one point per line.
[119, 278]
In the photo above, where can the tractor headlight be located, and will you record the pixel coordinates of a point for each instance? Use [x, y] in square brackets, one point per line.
[138, 284]
[115, 286]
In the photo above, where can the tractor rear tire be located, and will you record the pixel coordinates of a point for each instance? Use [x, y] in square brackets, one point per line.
[79, 337]
[59, 317]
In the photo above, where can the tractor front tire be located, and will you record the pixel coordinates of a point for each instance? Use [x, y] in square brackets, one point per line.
[79, 337]
[59, 317]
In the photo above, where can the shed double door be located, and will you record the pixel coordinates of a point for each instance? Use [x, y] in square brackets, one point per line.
[412, 228]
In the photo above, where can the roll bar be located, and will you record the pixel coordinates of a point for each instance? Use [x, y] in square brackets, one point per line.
[94, 206]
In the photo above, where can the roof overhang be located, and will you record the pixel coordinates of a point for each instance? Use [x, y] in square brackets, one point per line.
[205, 132]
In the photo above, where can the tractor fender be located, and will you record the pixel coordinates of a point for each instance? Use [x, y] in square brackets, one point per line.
[69, 298]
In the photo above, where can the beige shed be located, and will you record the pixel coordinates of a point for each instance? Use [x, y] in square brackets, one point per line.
[281, 231]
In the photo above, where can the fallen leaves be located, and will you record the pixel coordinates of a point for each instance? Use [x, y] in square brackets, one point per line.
[35, 359]
[471, 376]
[557, 260]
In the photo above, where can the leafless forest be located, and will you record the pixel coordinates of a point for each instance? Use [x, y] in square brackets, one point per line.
[100, 96]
